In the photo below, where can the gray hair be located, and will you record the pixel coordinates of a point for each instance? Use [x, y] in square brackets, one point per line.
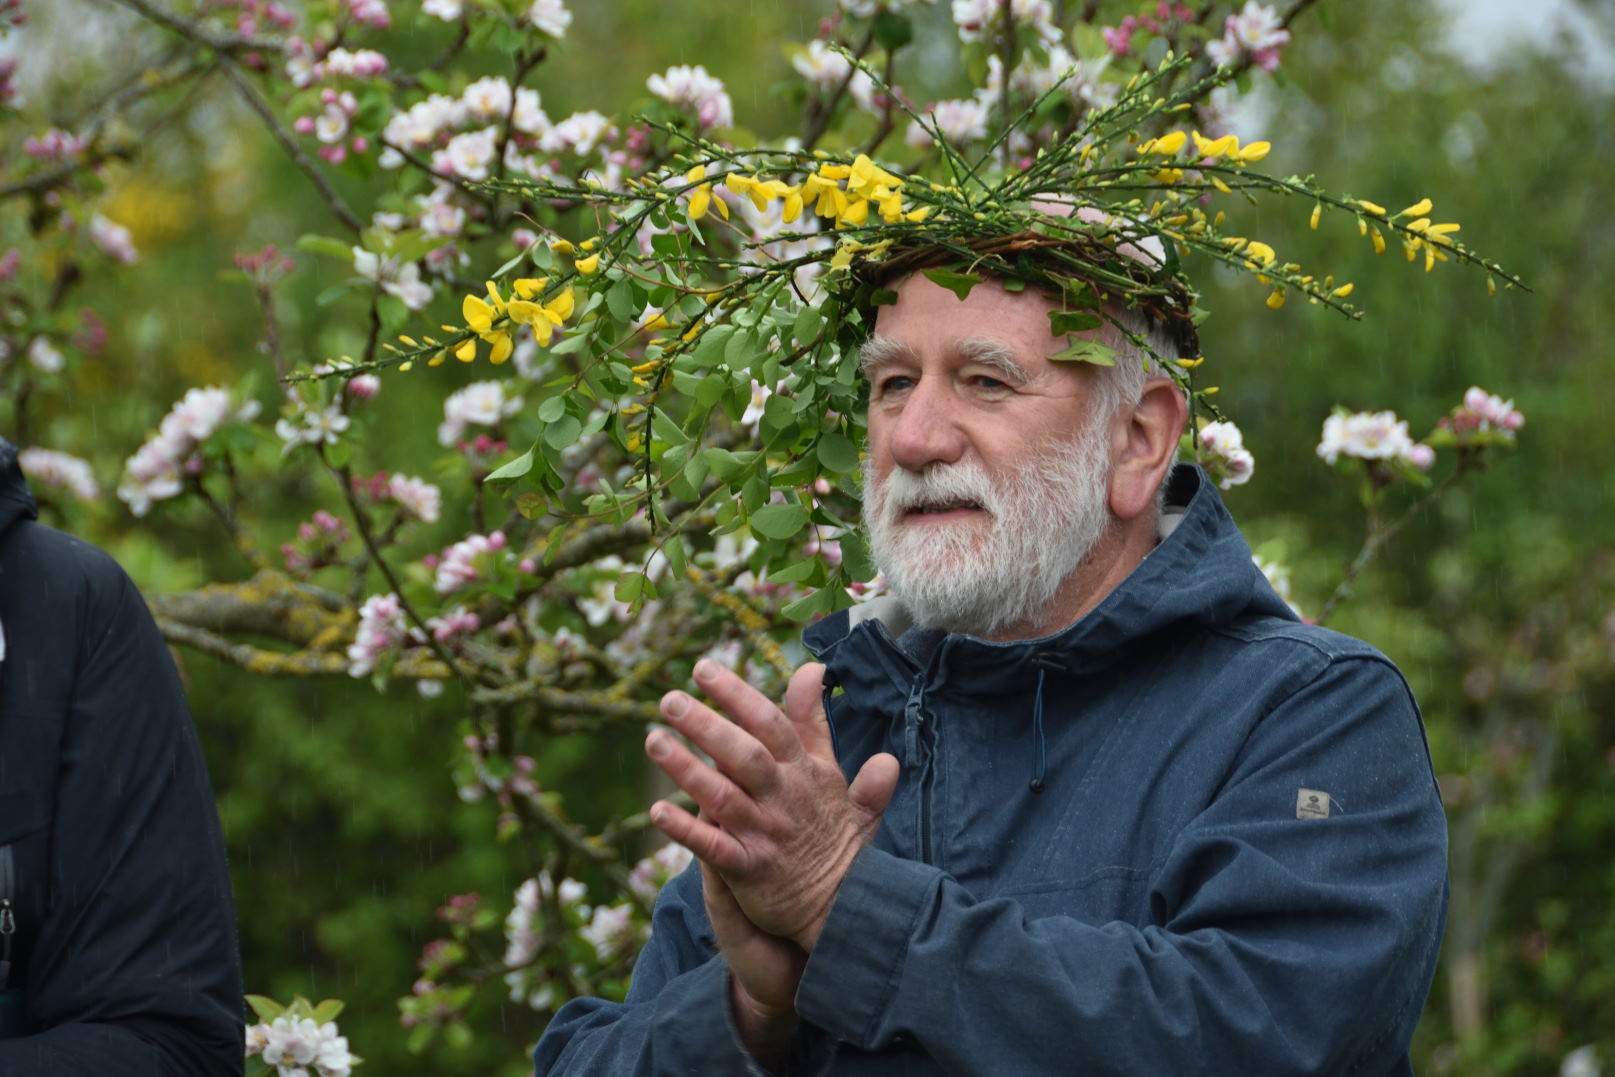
[1122, 386]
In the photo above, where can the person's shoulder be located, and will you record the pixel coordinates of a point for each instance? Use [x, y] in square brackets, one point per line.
[44, 567]
[1326, 643]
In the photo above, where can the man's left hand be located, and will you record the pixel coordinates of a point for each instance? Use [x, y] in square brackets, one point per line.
[778, 820]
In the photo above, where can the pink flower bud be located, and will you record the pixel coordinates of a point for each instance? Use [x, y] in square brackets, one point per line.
[303, 125]
[526, 565]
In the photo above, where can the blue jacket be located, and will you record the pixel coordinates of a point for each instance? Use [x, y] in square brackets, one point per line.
[1186, 835]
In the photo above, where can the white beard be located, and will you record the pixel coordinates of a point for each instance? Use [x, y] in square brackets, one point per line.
[981, 576]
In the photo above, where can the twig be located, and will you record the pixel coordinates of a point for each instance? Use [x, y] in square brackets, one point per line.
[287, 143]
[282, 663]
[193, 29]
[1378, 537]
[361, 520]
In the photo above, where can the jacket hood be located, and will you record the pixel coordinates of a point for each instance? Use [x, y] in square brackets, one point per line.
[16, 503]
[1201, 574]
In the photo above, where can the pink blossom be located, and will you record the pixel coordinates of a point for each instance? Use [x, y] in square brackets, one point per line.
[382, 629]
[54, 145]
[113, 239]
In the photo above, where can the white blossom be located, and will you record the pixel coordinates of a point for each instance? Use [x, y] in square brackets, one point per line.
[447, 10]
[45, 356]
[47, 467]
[692, 88]
[419, 498]
[959, 121]
[469, 155]
[113, 239]
[488, 99]
[313, 426]
[482, 403]
[1222, 452]
[1366, 435]
[550, 17]
[579, 133]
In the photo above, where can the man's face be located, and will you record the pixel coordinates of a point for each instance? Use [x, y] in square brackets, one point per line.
[986, 480]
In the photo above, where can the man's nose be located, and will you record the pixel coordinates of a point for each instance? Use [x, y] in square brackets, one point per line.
[927, 431]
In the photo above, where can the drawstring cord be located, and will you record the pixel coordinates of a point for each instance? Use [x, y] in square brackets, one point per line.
[1039, 759]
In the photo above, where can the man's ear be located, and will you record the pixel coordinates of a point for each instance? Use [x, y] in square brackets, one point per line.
[1144, 444]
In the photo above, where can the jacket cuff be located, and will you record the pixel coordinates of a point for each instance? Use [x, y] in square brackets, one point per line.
[683, 1031]
[857, 963]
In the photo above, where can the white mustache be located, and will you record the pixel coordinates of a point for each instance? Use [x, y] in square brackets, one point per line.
[938, 485]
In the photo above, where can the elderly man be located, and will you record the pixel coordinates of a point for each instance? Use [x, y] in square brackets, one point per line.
[1112, 808]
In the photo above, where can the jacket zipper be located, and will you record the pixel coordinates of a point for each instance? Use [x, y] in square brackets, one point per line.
[8, 915]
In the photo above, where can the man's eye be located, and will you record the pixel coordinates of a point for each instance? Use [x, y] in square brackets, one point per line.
[895, 383]
[989, 383]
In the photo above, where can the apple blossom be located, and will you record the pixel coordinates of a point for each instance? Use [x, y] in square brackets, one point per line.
[47, 467]
[482, 403]
[550, 17]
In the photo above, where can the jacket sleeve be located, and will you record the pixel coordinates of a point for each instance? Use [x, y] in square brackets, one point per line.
[135, 968]
[1277, 944]
[676, 1019]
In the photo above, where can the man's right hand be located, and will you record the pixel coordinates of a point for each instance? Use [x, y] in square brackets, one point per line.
[764, 972]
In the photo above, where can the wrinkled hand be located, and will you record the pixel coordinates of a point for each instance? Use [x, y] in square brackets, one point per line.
[764, 972]
[778, 822]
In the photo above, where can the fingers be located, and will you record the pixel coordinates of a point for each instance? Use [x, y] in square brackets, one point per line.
[710, 844]
[749, 709]
[735, 750]
[804, 706]
[872, 788]
[717, 793]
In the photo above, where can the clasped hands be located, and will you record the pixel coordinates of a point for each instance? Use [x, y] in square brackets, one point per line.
[778, 826]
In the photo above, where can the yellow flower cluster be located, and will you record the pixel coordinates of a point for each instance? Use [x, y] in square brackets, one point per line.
[838, 192]
[1428, 237]
[1205, 150]
[495, 319]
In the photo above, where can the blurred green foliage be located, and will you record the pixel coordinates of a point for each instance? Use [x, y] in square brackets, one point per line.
[343, 825]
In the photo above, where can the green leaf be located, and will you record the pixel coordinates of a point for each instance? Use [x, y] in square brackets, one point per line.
[1086, 351]
[677, 560]
[738, 351]
[531, 505]
[266, 1008]
[800, 572]
[552, 409]
[837, 453]
[892, 31]
[572, 343]
[515, 469]
[328, 1010]
[855, 559]
[1062, 322]
[629, 585]
[957, 283]
[779, 521]
[709, 350]
[563, 432]
[805, 608]
[623, 300]
[710, 390]
[326, 245]
[808, 323]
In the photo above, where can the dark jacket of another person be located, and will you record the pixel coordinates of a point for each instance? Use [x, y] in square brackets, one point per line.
[121, 955]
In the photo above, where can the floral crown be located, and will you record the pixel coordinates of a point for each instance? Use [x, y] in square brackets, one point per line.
[667, 259]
